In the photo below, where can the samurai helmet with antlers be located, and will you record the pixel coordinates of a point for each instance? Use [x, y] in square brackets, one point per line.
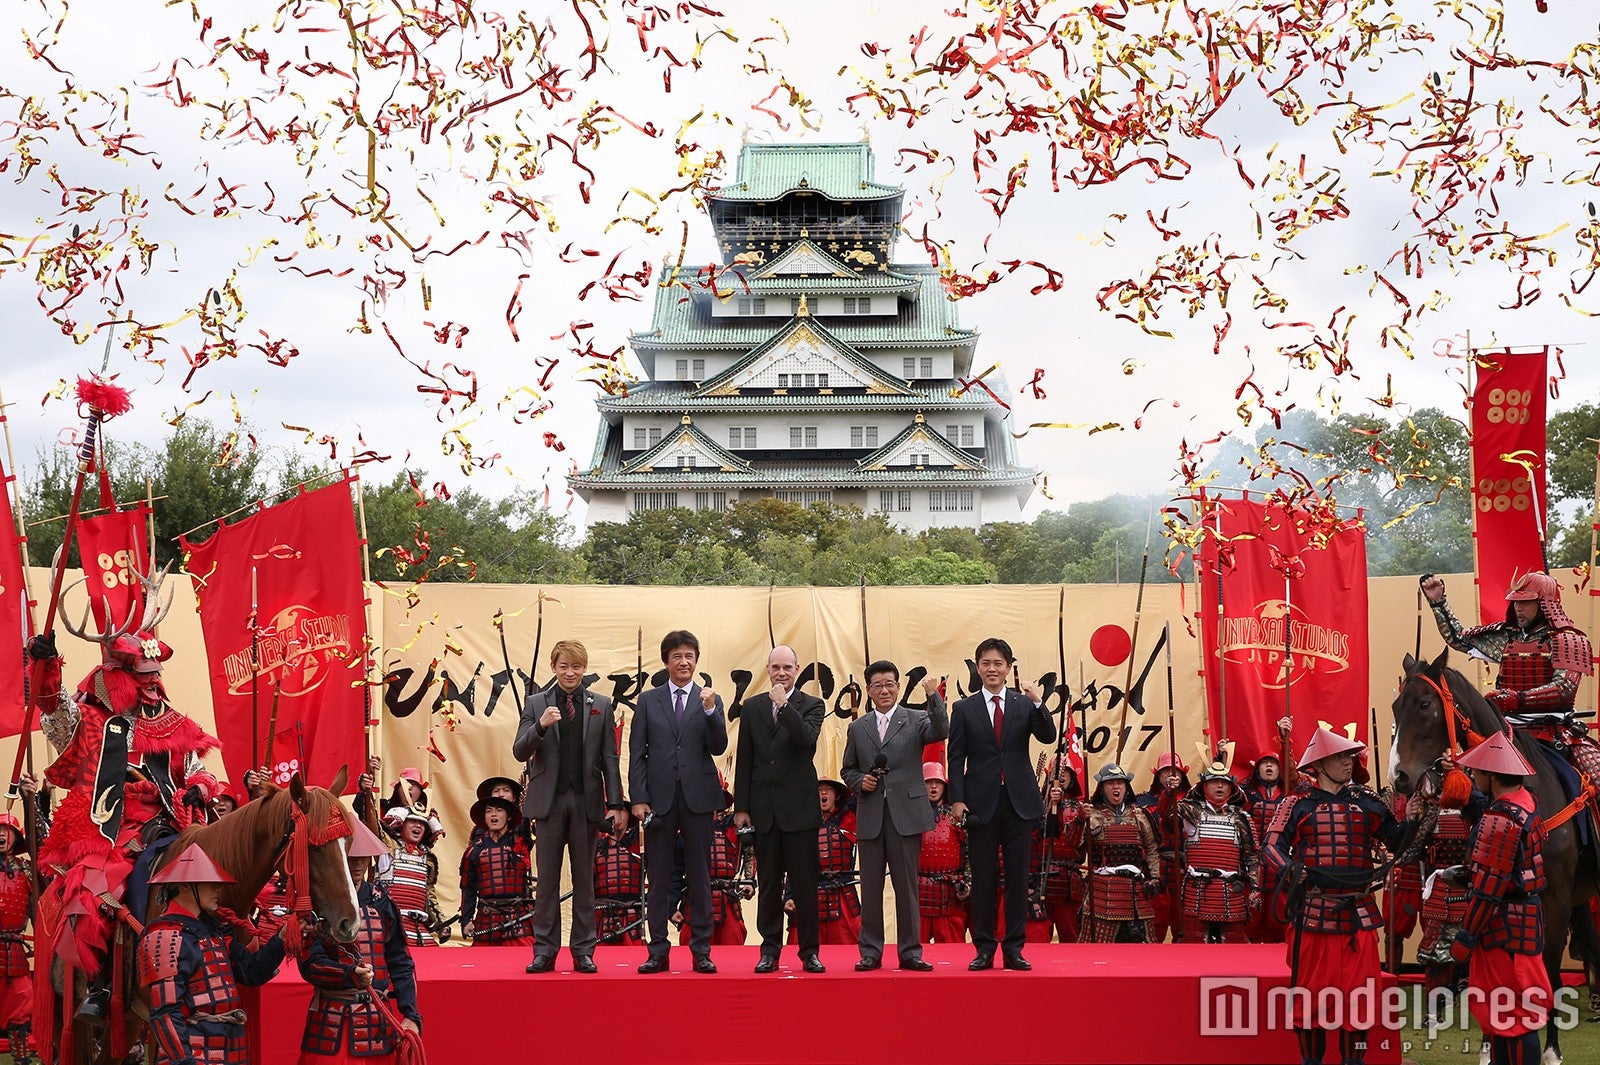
[131, 647]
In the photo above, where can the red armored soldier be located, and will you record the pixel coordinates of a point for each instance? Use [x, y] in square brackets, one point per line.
[1402, 897]
[732, 880]
[1325, 843]
[343, 1022]
[1057, 898]
[1124, 864]
[943, 879]
[1443, 899]
[1265, 793]
[1543, 657]
[192, 960]
[497, 877]
[619, 887]
[1219, 860]
[411, 877]
[838, 903]
[1502, 935]
[1169, 783]
[16, 908]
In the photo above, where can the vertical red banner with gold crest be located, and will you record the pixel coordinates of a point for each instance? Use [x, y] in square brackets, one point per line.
[1292, 580]
[1508, 471]
[114, 550]
[300, 562]
[13, 607]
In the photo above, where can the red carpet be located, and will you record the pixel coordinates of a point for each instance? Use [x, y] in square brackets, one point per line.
[1081, 1004]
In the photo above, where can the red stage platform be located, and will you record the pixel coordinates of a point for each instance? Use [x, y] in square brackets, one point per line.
[1126, 1004]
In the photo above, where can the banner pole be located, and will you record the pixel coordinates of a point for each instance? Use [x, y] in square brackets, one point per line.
[1594, 557]
[1133, 640]
[27, 616]
[368, 724]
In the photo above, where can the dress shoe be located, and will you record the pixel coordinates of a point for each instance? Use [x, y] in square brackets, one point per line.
[980, 963]
[811, 963]
[656, 963]
[582, 963]
[866, 965]
[1017, 963]
[916, 965]
[704, 964]
[767, 964]
[540, 964]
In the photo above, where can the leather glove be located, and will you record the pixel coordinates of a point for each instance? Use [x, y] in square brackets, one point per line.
[1505, 698]
[42, 647]
[195, 796]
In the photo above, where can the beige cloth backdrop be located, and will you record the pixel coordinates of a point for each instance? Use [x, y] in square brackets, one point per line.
[451, 628]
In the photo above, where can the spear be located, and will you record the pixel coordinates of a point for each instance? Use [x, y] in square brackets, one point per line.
[1133, 643]
[104, 400]
[255, 673]
[1172, 731]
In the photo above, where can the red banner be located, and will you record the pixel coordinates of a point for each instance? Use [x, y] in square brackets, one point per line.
[13, 607]
[1508, 472]
[114, 549]
[1282, 568]
[300, 563]
[287, 757]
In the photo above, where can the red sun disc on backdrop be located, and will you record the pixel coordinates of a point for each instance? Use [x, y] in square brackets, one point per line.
[1110, 645]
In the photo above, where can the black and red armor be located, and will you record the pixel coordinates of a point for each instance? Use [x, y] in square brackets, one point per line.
[942, 866]
[1444, 902]
[836, 863]
[496, 877]
[618, 889]
[1506, 860]
[342, 1020]
[1124, 862]
[409, 880]
[192, 968]
[1219, 860]
[1335, 836]
[16, 907]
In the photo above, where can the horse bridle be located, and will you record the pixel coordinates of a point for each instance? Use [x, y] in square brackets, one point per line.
[300, 823]
[1457, 724]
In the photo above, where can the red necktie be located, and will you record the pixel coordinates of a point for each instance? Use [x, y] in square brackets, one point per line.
[999, 719]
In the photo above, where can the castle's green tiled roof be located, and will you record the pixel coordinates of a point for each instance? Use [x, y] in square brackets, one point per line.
[680, 321]
[935, 443]
[875, 373]
[668, 442]
[673, 397]
[838, 171]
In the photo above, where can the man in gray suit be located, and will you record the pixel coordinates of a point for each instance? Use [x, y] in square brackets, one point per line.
[678, 729]
[568, 738]
[883, 765]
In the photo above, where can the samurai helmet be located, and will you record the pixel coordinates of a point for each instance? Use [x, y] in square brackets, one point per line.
[1497, 754]
[132, 644]
[193, 866]
[1325, 743]
[1543, 589]
[364, 843]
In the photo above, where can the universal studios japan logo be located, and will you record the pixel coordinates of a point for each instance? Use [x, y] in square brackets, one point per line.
[299, 650]
[1257, 642]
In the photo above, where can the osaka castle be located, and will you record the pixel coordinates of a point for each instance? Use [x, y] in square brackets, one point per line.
[807, 366]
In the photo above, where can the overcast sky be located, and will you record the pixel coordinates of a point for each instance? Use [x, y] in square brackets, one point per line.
[1098, 369]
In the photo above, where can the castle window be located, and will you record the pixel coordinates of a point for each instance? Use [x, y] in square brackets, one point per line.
[654, 500]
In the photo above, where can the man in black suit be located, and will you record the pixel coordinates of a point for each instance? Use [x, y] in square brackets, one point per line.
[678, 729]
[775, 793]
[992, 784]
[568, 739]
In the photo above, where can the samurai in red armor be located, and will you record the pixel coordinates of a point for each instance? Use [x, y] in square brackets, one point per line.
[1543, 657]
[497, 878]
[1402, 892]
[1324, 846]
[1502, 936]
[130, 765]
[732, 879]
[412, 875]
[1265, 793]
[343, 1023]
[1169, 784]
[1124, 864]
[943, 878]
[1056, 899]
[619, 887]
[1219, 860]
[1442, 901]
[838, 903]
[192, 960]
[16, 908]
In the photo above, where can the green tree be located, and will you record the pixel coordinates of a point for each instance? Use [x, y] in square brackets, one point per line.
[936, 567]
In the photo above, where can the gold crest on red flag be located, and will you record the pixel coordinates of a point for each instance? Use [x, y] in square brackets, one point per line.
[1291, 631]
[1508, 471]
[294, 569]
[114, 550]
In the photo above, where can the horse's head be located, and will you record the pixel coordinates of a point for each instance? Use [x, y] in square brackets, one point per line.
[1420, 736]
[326, 822]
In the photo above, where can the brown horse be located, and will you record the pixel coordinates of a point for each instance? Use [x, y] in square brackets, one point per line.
[250, 844]
[1420, 743]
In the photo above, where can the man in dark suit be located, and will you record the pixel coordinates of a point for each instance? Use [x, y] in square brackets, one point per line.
[883, 765]
[775, 793]
[678, 729]
[568, 739]
[992, 783]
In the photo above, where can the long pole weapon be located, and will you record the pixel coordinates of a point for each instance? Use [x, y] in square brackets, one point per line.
[30, 809]
[104, 400]
[1222, 618]
[1172, 729]
[255, 672]
[1133, 643]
